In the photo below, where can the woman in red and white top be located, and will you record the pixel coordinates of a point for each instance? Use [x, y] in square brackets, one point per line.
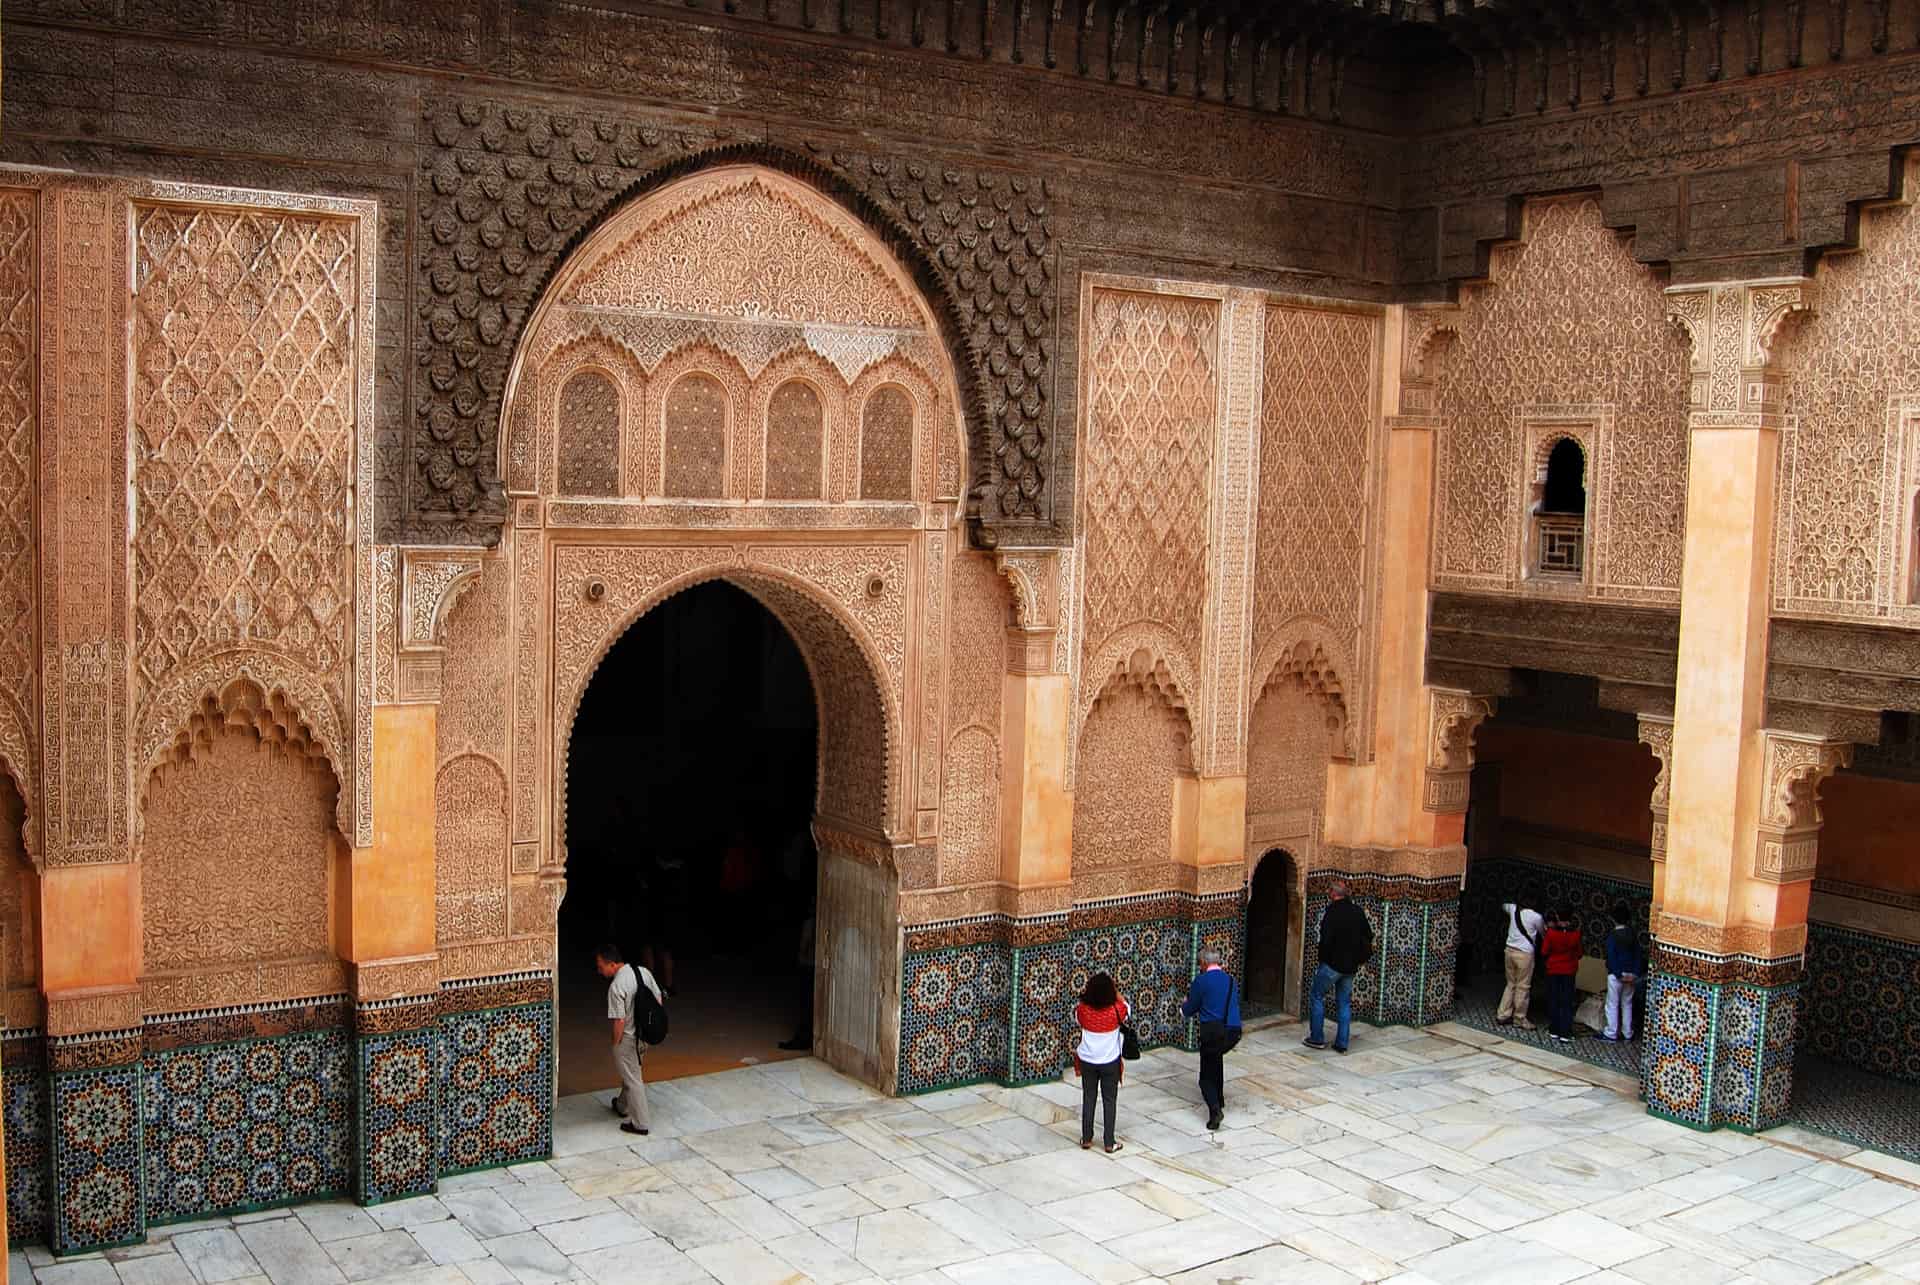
[1097, 1058]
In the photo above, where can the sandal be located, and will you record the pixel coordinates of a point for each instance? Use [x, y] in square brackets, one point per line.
[1114, 1146]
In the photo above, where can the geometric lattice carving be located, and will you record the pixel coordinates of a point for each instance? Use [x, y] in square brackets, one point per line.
[1133, 746]
[589, 435]
[237, 843]
[886, 446]
[1145, 463]
[244, 402]
[1572, 319]
[696, 437]
[796, 443]
[1316, 429]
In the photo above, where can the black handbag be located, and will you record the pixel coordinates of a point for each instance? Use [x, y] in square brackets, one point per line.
[1218, 1037]
[1129, 1042]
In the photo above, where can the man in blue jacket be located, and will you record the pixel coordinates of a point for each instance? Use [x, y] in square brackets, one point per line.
[1624, 967]
[1214, 1002]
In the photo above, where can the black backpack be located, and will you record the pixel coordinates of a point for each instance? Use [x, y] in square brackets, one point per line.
[649, 1016]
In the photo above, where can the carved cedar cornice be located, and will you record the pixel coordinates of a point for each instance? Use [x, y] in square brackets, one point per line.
[1616, 644]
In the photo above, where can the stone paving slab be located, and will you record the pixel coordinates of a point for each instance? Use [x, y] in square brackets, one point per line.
[1424, 1157]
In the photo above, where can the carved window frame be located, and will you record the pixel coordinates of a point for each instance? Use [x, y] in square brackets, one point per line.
[795, 369]
[858, 423]
[623, 397]
[731, 391]
[1537, 430]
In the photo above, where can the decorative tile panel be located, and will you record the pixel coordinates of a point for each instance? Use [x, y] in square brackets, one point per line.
[96, 1142]
[399, 1098]
[29, 1122]
[495, 1067]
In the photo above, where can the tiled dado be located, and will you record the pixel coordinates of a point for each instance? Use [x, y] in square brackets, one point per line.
[991, 998]
[1861, 1001]
[1720, 1039]
[1416, 940]
[243, 1109]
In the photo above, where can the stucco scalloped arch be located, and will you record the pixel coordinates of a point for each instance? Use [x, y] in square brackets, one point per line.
[741, 575]
[1163, 654]
[169, 712]
[1307, 638]
[21, 764]
[900, 242]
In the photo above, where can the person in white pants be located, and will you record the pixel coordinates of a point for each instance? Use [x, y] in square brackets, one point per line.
[1624, 966]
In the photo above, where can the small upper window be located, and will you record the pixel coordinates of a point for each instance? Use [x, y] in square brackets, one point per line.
[1560, 513]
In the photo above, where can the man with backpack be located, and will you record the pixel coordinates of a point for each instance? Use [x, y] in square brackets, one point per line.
[639, 1017]
[1523, 947]
[1625, 964]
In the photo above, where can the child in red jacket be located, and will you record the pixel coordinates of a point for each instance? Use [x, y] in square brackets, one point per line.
[1561, 948]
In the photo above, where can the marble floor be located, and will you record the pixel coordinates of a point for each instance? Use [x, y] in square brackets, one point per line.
[1446, 1155]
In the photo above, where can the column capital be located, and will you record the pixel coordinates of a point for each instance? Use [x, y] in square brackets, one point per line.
[1795, 765]
[1732, 326]
[1656, 733]
[1453, 718]
[1428, 332]
[1039, 578]
[415, 591]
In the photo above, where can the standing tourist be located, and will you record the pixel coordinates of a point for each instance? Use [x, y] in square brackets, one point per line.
[1214, 1002]
[1523, 947]
[623, 986]
[1346, 942]
[1561, 949]
[1624, 966]
[1097, 1059]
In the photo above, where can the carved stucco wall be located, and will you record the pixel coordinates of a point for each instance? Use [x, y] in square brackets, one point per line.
[1851, 464]
[471, 849]
[19, 223]
[250, 383]
[1287, 756]
[1320, 472]
[1134, 745]
[1571, 328]
[971, 762]
[237, 844]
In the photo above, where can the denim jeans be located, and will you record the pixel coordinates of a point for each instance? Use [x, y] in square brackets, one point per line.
[1323, 981]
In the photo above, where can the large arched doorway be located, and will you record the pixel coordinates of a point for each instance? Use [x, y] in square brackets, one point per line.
[1274, 934]
[693, 768]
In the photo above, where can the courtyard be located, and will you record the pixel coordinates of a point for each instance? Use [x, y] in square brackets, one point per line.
[1444, 1155]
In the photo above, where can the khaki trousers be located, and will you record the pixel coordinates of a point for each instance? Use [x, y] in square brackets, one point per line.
[1514, 1000]
[633, 1089]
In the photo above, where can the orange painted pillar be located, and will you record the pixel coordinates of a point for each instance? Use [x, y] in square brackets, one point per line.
[1734, 888]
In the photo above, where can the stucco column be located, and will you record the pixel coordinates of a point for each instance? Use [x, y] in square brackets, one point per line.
[384, 894]
[1731, 925]
[1395, 821]
[89, 886]
[1036, 812]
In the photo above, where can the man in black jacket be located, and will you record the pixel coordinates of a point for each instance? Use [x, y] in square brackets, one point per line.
[1346, 942]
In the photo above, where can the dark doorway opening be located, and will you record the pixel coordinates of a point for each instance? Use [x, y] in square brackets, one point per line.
[1273, 935]
[692, 775]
